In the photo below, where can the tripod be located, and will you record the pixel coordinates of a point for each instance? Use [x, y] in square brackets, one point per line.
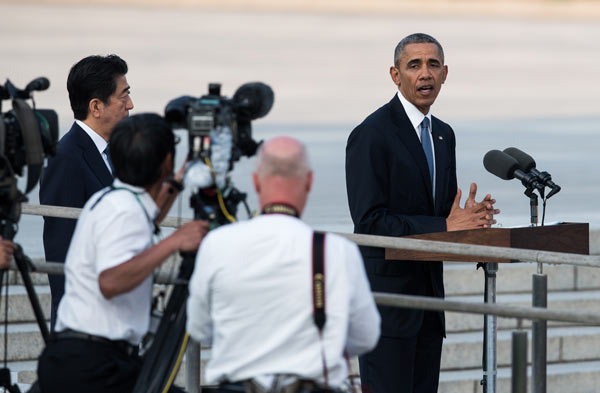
[25, 266]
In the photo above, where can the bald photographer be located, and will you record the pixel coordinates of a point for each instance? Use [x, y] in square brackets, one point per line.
[282, 305]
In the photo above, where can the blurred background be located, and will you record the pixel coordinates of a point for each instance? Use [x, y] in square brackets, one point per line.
[522, 74]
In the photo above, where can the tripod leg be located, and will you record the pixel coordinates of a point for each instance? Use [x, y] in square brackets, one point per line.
[23, 263]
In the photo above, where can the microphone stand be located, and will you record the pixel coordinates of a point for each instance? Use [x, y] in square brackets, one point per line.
[533, 205]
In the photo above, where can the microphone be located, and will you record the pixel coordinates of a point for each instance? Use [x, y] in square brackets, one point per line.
[506, 167]
[38, 84]
[254, 100]
[527, 164]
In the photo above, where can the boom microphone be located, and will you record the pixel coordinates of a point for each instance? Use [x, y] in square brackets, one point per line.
[38, 84]
[506, 167]
[254, 100]
[527, 164]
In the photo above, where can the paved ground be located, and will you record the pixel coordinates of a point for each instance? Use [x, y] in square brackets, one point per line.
[522, 80]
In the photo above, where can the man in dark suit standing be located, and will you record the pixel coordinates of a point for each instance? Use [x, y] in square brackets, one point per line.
[99, 96]
[401, 180]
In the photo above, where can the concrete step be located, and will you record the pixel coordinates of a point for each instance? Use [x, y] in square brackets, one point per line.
[581, 301]
[24, 342]
[564, 344]
[576, 377]
[19, 305]
[464, 279]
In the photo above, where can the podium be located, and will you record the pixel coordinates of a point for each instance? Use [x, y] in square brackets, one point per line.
[567, 237]
[564, 237]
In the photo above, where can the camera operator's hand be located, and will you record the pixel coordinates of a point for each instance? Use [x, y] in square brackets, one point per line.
[189, 236]
[169, 192]
[7, 248]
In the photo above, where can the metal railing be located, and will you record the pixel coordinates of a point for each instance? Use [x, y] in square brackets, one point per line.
[519, 361]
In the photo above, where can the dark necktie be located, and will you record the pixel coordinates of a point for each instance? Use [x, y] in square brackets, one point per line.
[106, 151]
[426, 142]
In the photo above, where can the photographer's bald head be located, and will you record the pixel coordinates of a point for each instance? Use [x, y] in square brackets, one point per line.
[283, 173]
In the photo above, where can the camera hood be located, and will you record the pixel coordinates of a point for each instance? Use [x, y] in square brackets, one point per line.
[34, 152]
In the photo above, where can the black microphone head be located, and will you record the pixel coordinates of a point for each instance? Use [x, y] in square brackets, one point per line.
[38, 84]
[253, 100]
[500, 164]
[526, 162]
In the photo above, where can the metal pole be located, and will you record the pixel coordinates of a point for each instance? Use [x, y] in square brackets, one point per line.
[491, 328]
[539, 335]
[192, 367]
[519, 362]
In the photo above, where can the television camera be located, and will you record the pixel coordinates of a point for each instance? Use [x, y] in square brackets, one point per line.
[27, 136]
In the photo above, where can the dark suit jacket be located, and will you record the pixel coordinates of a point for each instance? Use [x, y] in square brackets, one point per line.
[72, 176]
[390, 194]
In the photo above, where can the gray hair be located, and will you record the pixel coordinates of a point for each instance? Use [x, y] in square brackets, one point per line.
[282, 162]
[417, 38]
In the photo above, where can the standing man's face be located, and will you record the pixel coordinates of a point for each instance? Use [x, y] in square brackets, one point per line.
[119, 104]
[419, 74]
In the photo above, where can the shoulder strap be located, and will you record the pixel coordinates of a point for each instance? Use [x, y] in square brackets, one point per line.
[318, 282]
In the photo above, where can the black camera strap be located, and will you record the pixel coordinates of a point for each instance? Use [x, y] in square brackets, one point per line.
[318, 292]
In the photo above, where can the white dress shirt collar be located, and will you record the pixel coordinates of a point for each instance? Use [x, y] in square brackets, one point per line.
[99, 142]
[97, 139]
[414, 115]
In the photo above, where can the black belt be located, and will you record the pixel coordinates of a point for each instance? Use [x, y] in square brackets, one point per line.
[121, 345]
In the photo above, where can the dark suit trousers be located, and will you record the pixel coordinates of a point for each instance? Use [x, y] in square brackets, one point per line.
[407, 364]
[77, 366]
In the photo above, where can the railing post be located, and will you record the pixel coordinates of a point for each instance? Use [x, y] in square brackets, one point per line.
[192, 367]
[539, 335]
[519, 362]
[490, 331]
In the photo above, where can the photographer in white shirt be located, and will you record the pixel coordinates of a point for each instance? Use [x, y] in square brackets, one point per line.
[251, 292]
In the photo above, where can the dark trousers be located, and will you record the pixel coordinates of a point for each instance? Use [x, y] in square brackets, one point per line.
[76, 365]
[407, 364]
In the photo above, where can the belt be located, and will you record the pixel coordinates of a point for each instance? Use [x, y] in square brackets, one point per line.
[249, 386]
[121, 345]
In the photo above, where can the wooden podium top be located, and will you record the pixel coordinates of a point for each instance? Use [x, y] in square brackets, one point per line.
[567, 237]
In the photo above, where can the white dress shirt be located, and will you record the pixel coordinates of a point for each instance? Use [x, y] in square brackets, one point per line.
[251, 295]
[106, 235]
[98, 141]
[416, 118]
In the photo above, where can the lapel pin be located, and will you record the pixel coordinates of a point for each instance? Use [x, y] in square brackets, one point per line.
[441, 138]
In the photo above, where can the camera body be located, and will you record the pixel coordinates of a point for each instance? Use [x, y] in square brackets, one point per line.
[220, 133]
[27, 136]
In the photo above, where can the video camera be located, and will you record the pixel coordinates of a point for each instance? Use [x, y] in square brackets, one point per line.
[27, 136]
[220, 133]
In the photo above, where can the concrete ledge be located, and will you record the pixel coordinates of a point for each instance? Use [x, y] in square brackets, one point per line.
[581, 301]
[464, 350]
[465, 279]
[577, 377]
[19, 305]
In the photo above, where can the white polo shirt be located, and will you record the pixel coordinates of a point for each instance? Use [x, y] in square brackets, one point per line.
[251, 295]
[108, 233]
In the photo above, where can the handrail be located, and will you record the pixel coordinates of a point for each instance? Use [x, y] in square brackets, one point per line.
[559, 258]
[419, 302]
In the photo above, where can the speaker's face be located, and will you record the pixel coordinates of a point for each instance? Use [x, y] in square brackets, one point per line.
[419, 74]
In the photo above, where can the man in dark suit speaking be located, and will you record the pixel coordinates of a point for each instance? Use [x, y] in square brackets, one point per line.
[99, 96]
[401, 180]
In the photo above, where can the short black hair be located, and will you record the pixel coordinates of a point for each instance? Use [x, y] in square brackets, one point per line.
[416, 38]
[93, 77]
[138, 146]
